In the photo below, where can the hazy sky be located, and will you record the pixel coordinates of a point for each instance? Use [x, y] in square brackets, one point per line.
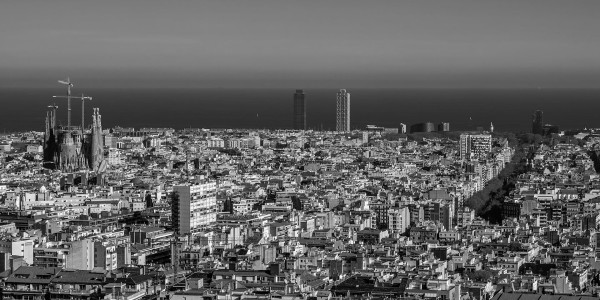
[304, 43]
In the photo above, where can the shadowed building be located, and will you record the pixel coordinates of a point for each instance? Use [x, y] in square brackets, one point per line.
[422, 127]
[299, 110]
[537, 123]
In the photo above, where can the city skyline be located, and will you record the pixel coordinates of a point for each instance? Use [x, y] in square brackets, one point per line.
[223, 157]
[264, 43]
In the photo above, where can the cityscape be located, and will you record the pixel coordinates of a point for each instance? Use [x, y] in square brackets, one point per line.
[330, 201]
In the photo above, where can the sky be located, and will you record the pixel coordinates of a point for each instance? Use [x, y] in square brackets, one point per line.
[301, 44]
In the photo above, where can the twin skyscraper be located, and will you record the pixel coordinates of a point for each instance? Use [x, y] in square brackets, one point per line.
[342, 111]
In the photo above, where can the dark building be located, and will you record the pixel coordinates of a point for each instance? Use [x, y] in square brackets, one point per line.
[537, 122]
[550, 129]
[443, 127]
[422, 127]
[299, 110]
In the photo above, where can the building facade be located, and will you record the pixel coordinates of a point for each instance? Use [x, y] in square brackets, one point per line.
[476, 146]
[194, 206]
[444, 127]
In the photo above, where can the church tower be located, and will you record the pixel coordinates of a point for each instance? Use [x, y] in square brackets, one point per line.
[97, 141]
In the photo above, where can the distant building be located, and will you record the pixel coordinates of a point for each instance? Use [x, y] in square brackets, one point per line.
[402, 128]
[537, 122]
[195, 206]
[299, 110]
[382, 130]
[422, 127]
[475, 145]
[342, 112]
[444, 127]
[550, 129]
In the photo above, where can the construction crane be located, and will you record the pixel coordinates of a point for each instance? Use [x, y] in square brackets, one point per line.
[69, 84]
[83, 98]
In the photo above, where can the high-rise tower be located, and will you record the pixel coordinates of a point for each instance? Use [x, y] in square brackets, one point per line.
[537, 123]
[194, 206]
[342, 112]
[299, 110]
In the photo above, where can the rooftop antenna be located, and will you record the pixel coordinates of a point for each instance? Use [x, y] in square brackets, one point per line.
[69, 84]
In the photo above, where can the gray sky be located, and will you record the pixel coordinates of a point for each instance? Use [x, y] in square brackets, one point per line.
[304, 43]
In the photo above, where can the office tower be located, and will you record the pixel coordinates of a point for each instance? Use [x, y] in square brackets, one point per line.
[342, 116]
[422, 127]
[444, 126]
[537, 123]
[299, 110]
[402, 128]
[194, 206]
[475, 145]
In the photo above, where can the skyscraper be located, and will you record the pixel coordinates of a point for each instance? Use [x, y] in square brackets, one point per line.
[299, 110]
[342, 112]
[537, 123]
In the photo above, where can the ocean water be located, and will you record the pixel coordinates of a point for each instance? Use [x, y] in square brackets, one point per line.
[464, 109]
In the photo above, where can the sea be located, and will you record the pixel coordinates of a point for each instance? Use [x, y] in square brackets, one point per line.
[465, 109]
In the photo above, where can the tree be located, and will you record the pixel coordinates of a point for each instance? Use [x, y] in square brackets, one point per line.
[149, 202]
[480, 275]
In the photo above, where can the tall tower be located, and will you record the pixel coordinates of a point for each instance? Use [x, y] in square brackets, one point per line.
[96, 141]
[299, 110]
[194, 206]
[342, 112]
[537, 123]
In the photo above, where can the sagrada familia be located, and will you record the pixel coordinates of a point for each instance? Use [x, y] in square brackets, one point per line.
[71, 148]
